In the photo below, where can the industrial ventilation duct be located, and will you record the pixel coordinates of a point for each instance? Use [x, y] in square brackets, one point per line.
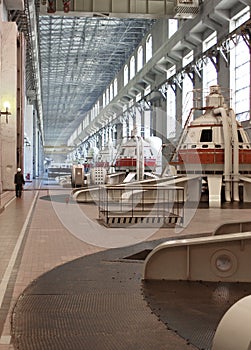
[186, 9]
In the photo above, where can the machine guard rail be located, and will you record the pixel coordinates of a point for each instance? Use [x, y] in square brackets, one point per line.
[144, 205]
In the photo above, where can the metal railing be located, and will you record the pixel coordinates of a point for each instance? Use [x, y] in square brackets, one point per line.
[141, 202]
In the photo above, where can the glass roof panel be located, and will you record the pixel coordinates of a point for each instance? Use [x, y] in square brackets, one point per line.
[79, 57]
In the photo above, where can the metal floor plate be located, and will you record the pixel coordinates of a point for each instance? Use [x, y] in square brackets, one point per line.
[99, 302]
[193, 309]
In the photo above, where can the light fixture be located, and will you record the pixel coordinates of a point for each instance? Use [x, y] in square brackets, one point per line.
[6, 113]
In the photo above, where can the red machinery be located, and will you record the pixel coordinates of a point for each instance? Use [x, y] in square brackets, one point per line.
[215, 144]
[134, 154]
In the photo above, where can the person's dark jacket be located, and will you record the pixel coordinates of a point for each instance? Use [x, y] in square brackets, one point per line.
[19, 179]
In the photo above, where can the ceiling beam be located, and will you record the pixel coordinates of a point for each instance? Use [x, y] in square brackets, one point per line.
[111, 8]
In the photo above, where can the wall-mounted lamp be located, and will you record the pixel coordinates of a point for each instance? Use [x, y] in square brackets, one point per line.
[6, 113]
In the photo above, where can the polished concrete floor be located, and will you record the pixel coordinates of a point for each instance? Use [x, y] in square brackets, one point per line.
[48, 242]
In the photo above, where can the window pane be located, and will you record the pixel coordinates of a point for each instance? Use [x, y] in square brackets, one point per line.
[172, 27]
[126, 75]
[206, 135]
[132, 67]
[149, 49]
[140, 58]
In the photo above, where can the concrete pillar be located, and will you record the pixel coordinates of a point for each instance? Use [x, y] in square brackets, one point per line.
[130, 126]
[103, 139]
[28, 142]
[161, 121]
[118, 134]
[147, 124]
[178, 111]
[198, 85]
[138, 122]
[39, 155]
[223, 64]
[34, 158]
[20, 98]
[124, 130]
[8, 92]
[223, 74]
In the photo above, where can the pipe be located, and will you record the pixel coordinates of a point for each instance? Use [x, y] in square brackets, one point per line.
[227, 152]
[235, 156]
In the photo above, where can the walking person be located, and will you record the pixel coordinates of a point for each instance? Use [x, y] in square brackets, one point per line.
[19, 182]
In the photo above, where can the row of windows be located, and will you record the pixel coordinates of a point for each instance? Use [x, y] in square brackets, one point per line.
[130, 71]
[239, 78]
[112, 90]
[135, 65]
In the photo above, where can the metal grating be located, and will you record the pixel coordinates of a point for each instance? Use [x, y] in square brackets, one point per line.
[94, 302]
[193, 309]
[98, 302]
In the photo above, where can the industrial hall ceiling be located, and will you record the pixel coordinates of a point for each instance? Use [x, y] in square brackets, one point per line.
[79, 57]
[71, 59]
[76, 48]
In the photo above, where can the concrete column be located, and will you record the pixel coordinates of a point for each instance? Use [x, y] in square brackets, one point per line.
[103, 139]
[178, 111]
[161, 121]
[34, 148]
[147, 124]
[223, 74]
[198, 85]
[124, 130]
[39, 156]
[28, 142]
[223, 64]
[20, 98]
[118, 134]
[8, 92]
[138, 121]
[130, 126]
[161, 129]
